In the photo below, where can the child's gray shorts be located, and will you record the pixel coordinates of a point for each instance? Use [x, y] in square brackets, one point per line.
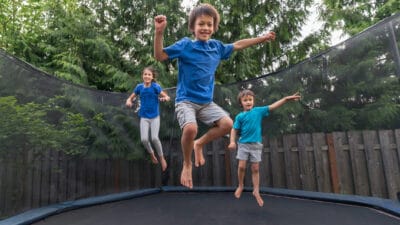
[249, 151]
[188, 112]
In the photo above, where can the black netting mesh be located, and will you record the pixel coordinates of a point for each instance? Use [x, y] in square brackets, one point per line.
[60, 141]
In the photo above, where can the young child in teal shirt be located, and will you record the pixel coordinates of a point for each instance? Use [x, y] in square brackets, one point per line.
[247, 127]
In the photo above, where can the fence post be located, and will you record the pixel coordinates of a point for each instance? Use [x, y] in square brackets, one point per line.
[332, 164]
[228, 177]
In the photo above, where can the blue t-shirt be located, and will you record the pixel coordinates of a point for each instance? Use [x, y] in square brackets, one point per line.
[148, 99]
[248, 123]
[197, 63]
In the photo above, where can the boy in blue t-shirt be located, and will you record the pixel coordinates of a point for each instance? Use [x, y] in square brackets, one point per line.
[198, 60]
[247, 126]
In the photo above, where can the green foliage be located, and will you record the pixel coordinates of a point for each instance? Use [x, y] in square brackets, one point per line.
[24, 127]
[355, 16]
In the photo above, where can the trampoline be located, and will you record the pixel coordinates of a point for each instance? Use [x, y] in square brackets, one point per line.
[180, 206]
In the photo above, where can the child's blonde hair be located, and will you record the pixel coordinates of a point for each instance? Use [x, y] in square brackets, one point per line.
[203, 9]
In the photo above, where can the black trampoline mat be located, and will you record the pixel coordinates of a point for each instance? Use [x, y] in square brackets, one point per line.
[213, 208]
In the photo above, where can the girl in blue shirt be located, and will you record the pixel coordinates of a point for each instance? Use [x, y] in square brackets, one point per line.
[150, 93]
[198, 60]
[247, 126]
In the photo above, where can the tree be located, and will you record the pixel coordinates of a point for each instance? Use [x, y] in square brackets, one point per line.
[354, 16]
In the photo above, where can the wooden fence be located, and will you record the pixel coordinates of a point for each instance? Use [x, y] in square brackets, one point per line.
[356, 162]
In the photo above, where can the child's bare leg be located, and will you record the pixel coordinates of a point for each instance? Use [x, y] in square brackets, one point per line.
[255, 174]
[198, 154]
[241, 173]
[163, 163]
[153, 158]
[188, 134]
[222, 127]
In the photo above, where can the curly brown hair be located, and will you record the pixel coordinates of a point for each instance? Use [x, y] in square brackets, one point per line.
[203, 9]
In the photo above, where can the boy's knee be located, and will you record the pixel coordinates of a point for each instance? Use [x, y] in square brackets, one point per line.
[226, 124]
[242, 169]
[255, 168]
[190, 130]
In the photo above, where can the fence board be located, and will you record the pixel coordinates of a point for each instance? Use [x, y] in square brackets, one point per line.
[177, 167]
[374, 164]
[358, 163]
[100, 176]
[333, 165]
[157, 172]
[306, 162]
[36, 168]
[90, 181]
[217, 165]
[133, 173]
[277, 160]
[19, 178]
[81, 169]
[228, 165]
[148, 178]
[54, 173]
[397, 140]
[63, 174]
[2, 187]
[390, 163]
[265, 171]
[321, 162]
[27, 195]
[10, 174]
[45, 179]
[124, 175]
[24, 184]
[291, 161]
[234, 166]
[71, 178]
[343, 163]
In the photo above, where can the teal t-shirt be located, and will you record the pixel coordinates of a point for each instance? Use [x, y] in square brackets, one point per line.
[248, 123]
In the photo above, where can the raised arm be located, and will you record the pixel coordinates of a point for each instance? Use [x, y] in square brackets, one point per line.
[160, 23]
[282, 101]
[245, 43]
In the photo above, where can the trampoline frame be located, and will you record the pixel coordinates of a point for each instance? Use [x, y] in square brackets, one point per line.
[386, 205]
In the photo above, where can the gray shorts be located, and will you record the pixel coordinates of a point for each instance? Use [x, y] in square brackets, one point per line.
[249, 151]
[188, 112]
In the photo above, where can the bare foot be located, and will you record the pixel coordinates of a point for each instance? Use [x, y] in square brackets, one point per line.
[258, 198]
[238, 192]
[163, 164]
[186, 176]
[198, 155]
[153, 158]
